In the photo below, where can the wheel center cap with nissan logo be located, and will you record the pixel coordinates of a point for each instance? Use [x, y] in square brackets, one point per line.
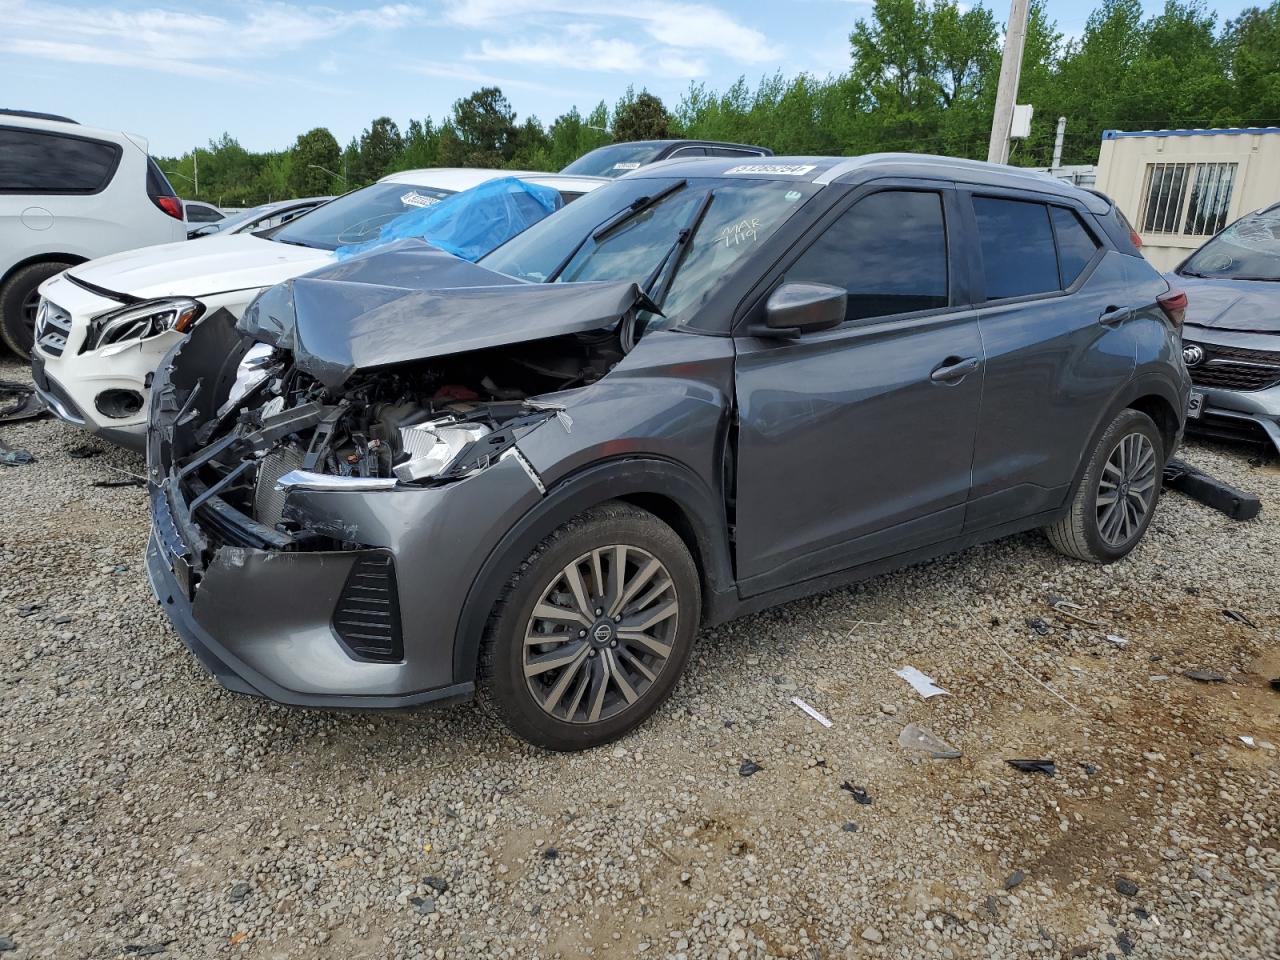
[602, 632]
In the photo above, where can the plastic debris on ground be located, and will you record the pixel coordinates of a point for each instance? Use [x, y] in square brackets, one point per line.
[1126, 886]
[859, 794]
[1014, 879]
[25, 405]
[122, 482]
[1034, 766]
[15, 457]
[1066, 608]
[83, 453]
[1038, 625]
[920, 683]
[471, 223]
[1205, 676]
[1234, 502]
[1116, 640]
[916, 737]
[1275, 684]
[811, 712]
[748, 768]
[1249, 742]
[1239, 617]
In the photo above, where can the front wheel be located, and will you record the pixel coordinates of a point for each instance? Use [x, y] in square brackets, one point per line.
[592, 630]
[1116, 497]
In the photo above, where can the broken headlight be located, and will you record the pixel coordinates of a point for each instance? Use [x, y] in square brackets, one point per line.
[142, 320]
[430, 447]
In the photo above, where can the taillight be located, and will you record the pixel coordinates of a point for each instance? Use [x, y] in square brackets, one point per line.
[170, 205]
[1134, 238]
[1174, 305]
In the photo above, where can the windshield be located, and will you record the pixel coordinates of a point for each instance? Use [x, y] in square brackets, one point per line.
[357, 216]
[615, 160]
[1249, 249]
[729, 225]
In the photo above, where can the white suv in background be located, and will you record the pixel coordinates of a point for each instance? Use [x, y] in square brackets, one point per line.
[69, 194]
[103, 328]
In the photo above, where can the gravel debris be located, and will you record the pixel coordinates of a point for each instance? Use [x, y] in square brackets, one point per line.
[136, 795]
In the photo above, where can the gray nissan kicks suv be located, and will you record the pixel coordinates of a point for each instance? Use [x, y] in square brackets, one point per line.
[709, 387]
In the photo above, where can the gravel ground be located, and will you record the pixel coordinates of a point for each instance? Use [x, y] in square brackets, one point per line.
[145, 811]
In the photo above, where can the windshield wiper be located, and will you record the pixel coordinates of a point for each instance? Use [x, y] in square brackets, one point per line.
[292, 243]
[606, 227]
[676, 253]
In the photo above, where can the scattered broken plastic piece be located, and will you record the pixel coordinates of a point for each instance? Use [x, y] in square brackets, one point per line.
[811, 712]
[748, 768]
[1126, 886]
[83, 452]
[1205, 676]
[919, 682]
[1275, 684]
[123, 482]
[916, 737]
[1034, 766]
[1116, 640]
[1065, 607]
[13, 457]
[859, 794]
[1038, 625]
[1014, 879]
[1212, 492]
[1239, 617]
[1158, 676]
[1249, 742]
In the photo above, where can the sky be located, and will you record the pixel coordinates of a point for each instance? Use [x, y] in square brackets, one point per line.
[264, 71]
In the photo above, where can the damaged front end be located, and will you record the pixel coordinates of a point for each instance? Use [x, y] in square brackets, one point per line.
[326, 478]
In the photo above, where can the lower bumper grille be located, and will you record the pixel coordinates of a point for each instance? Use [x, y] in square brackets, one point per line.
[1235, 368]
[367, 616]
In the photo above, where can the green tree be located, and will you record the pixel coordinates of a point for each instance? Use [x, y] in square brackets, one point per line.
[1252, 41]
[315, 159]
[641, 116]
[380, 145]
[482, 131]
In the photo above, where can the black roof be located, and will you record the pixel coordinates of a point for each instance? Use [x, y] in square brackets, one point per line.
[34, 115]
[826, 170]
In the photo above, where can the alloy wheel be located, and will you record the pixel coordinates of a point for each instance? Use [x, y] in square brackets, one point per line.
[600, 634]
[1126, 489]
[30, 306]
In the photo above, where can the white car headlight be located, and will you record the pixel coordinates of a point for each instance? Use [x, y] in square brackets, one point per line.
[142, 320]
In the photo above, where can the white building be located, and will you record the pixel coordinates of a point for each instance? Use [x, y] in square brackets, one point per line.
[1180, 187]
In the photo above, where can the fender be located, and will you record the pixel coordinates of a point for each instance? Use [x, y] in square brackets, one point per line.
[47, 256]
[701, 509]
[1143, 385]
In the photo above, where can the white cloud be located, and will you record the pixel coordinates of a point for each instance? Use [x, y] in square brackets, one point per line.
[689, 26]
[163, 39]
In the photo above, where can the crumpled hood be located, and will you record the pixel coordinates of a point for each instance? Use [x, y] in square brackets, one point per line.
[410, 301]
[1249, 306]
[195, 268]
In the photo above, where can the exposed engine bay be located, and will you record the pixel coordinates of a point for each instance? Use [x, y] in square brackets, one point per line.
[424, 423]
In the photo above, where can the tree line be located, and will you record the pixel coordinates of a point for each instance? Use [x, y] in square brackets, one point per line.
[922, 78]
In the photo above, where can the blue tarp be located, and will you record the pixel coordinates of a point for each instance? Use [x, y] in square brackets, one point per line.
[471, 223]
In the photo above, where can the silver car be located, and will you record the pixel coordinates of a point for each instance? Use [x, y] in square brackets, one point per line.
[1231, 341]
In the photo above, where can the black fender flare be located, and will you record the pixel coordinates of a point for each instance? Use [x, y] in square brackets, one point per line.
[702, 512]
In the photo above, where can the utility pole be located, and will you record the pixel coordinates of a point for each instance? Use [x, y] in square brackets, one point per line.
[195, 159]
[1015, 35]
[1057, 143]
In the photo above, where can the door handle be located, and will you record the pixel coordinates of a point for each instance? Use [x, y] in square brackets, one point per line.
[954, 369]
[1114, 315]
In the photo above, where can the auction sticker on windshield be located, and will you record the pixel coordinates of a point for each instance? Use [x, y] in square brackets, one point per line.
[788, 169]
[626, 166]
[414, 199]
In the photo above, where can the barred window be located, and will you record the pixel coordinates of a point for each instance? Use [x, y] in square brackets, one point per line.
[1187, 198]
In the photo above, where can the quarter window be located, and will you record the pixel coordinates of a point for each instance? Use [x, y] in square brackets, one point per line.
[1018, 256]
[33, 161]
[1076, 245]
[1187, 198]
[889, 250]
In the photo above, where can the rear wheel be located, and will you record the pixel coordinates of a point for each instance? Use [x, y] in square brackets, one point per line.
[19, 298]
[593, 629]
[1116, 498]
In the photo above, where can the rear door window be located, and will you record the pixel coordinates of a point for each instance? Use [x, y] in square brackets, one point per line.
[889, 250]
[1076, 245]
[1018, 255]
[39, 162]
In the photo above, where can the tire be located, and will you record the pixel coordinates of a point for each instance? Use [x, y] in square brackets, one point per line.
[1126, 467]
[17, 313]
[593, 681]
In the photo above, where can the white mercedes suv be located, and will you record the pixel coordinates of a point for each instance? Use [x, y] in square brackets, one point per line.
[103, 327]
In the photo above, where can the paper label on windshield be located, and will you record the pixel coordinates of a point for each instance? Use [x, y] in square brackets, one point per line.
[414, 199]
[626, 166]
[786, 169]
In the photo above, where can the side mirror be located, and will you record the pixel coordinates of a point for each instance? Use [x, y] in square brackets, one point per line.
[801, 307]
